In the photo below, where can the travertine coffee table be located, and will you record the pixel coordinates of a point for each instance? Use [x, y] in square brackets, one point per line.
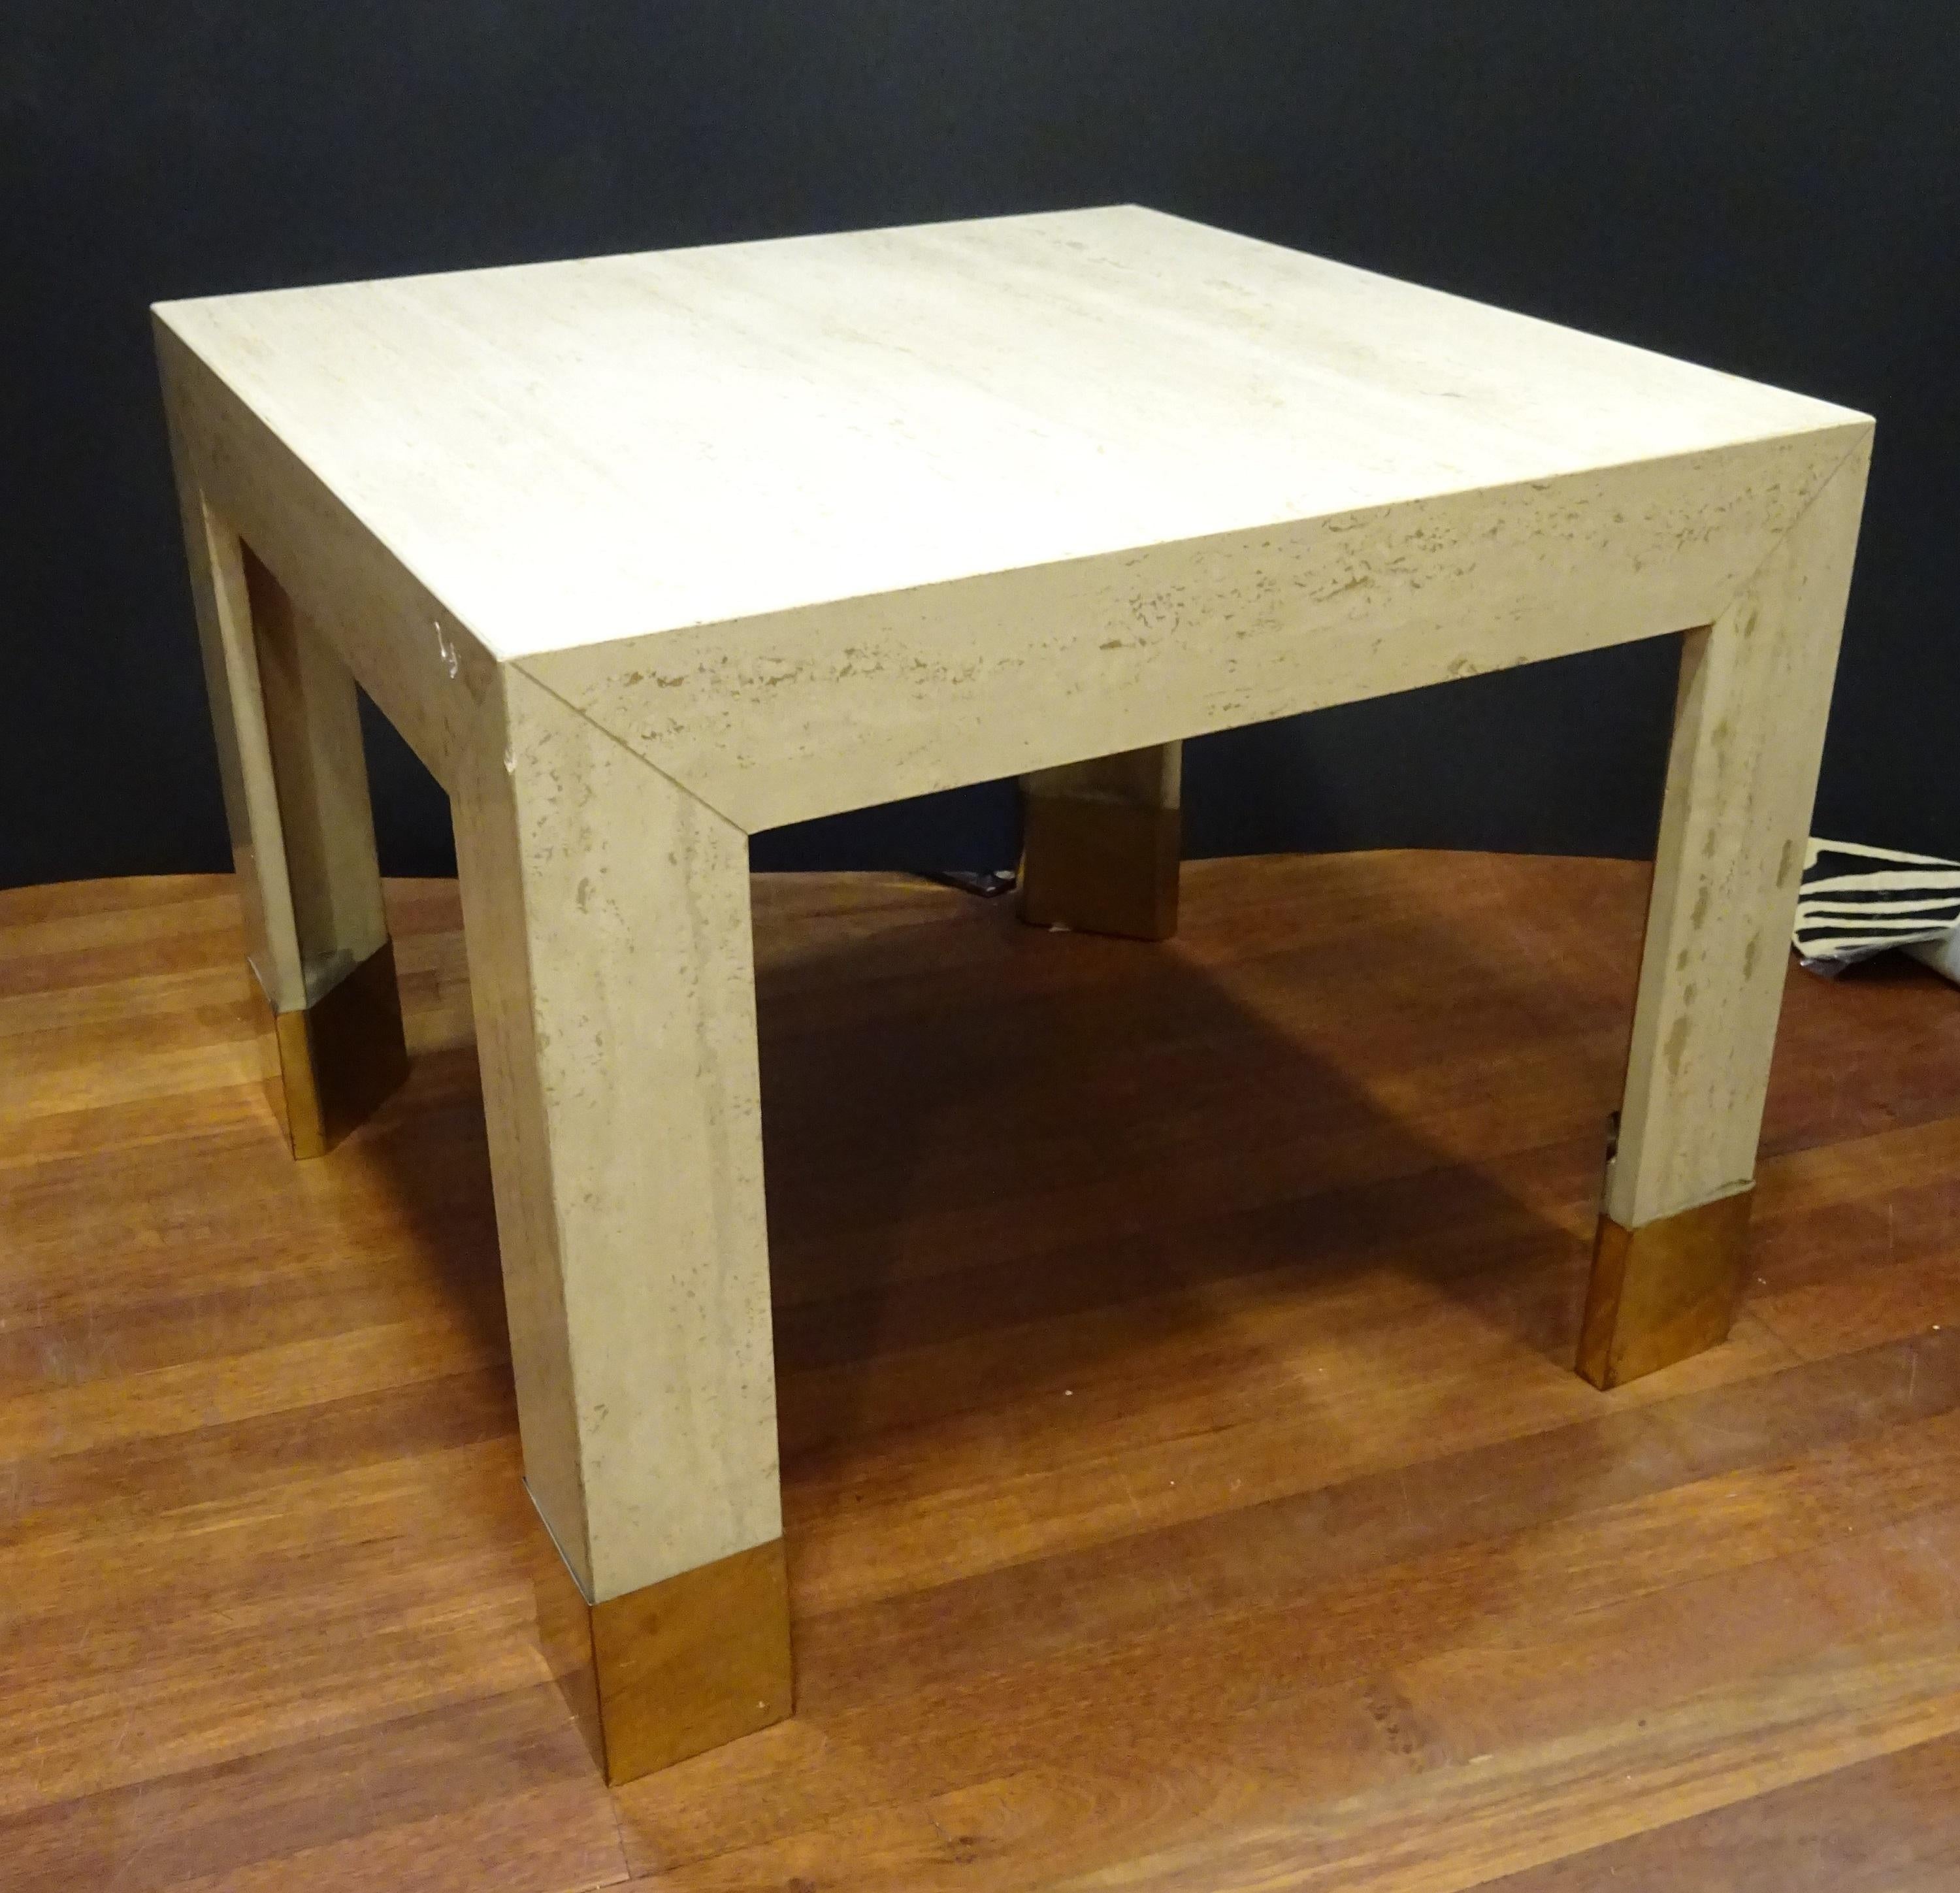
[644, 553]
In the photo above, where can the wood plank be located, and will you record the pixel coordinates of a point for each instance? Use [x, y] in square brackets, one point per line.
[263, 1545]
[1465, 1825]
[1888, 1825]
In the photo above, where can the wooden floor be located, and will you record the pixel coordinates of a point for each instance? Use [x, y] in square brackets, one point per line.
[1185, 1482]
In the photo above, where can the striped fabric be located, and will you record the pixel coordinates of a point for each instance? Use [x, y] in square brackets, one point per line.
[1856, 901]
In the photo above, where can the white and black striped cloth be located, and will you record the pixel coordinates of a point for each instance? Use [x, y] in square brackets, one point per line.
[1856, 901]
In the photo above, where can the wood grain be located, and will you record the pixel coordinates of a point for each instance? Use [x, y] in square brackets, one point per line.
[1184, 1482]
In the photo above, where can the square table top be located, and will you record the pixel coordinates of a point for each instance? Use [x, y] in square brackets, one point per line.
[572, 453]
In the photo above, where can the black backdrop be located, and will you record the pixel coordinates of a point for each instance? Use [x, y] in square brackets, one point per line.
[1767, 188]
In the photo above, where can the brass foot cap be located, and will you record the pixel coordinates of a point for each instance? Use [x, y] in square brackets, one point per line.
[1663, 1291]
[329, 1067]
[1100, 867]
[672, 1668]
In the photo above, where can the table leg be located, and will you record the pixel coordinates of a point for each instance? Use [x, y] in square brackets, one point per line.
[1754, 691]
[607, 923]
[1102, 842]
[288, 723]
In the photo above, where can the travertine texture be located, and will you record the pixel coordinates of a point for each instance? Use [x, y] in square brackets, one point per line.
[645, 553]
[1151, 778]
[230, 658]
[313, 722]
[1748, 733]
[426, 672]
[574, 454]
[295, 779]
[606, 916]
[841, 705]
[815, 522]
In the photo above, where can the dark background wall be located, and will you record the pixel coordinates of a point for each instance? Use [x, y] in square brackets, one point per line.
[1772, 189]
